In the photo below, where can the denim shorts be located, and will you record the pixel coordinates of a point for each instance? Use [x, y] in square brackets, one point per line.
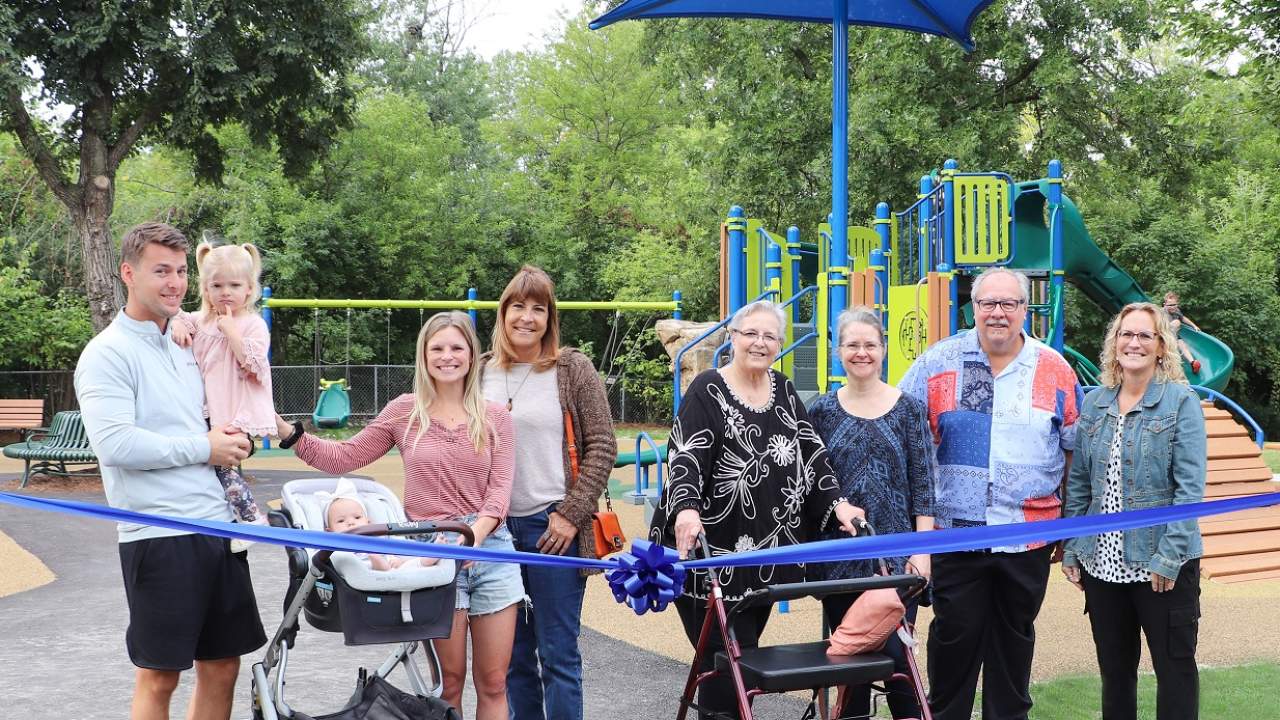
[487, 587]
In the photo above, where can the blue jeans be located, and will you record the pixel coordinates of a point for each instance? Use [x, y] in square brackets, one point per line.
[544, 680]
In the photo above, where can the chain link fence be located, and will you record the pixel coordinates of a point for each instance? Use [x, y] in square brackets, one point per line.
[296, 390]
[55, 387]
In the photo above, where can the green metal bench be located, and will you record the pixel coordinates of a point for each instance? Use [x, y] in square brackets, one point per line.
[53, 448]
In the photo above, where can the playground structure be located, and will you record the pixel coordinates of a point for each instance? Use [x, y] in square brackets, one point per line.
[916, 267]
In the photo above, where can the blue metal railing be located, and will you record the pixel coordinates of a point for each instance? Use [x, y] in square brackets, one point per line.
[642, 470]
[1236, 411]
[922, 223]
[812, 334]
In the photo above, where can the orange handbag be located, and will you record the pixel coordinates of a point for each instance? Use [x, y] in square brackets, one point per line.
[608, 531]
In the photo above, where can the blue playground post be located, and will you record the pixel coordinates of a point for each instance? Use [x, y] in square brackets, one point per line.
[948, 230]
[1057, 264]
[471, 308]
[793, 256]
[773, 268]
[737, 223]
[883, 218]
[926, 214]
[266, 317]
[678, 299]
[878, 263]
[266, 313]
[838, 252]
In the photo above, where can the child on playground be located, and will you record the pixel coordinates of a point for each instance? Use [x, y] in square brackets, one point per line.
[345, 511]
[1178, 320]
[230, 342]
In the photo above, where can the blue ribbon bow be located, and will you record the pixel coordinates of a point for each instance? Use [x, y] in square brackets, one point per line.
[647, 578]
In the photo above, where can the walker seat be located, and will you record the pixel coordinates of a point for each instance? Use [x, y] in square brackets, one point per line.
[803, 666]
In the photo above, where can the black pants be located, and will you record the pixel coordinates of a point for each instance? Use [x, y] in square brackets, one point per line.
[717, 694]
[985, 607]
[857, 699]
[1170, 620]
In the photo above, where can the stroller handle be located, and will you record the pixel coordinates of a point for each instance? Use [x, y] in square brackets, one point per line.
[419, 527]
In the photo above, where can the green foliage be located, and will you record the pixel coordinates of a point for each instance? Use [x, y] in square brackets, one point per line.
[39, 331]
[175, 70]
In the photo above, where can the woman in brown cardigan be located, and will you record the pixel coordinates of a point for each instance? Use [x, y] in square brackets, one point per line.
[541, 383]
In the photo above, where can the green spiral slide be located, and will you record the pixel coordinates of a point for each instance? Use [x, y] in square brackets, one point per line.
[1099, 277]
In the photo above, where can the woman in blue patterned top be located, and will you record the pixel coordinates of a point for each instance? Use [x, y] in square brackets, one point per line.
[877, 440]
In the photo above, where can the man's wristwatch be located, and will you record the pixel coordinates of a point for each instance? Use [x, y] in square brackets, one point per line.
[288, 442]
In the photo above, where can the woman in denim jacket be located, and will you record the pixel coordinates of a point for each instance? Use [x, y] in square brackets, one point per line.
[1140, 444]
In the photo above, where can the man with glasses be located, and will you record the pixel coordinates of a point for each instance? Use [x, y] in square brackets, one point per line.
[1002, 408]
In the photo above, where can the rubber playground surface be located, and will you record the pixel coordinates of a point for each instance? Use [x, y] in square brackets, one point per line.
[63, 617]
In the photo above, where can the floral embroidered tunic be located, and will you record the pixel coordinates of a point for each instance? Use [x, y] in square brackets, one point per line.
[758, 476]
[885, 467]
[1109, 563]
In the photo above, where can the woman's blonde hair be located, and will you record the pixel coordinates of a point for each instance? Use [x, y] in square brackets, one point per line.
[530, 284]
[424, 389]
[1168, 363]
[242, 260]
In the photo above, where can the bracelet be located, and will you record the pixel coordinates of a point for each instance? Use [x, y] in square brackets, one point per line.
[288, 442]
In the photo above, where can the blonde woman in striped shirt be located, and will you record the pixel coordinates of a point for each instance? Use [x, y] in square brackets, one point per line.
[458, 456]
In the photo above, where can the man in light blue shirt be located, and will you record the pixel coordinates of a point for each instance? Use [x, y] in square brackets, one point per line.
[190, 599]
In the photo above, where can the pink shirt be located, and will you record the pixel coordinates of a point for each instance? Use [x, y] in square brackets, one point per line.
[444, 476]
[235, 393]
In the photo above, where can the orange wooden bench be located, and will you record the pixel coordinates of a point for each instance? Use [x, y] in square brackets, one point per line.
[21, 414]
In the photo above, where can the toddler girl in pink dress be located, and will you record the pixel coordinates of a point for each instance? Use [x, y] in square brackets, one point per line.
[230, 342]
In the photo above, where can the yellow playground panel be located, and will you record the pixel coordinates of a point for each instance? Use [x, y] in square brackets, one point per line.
[908, 327]
[983, 219]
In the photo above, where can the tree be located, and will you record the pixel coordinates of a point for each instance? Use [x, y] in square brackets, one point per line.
[166, 71]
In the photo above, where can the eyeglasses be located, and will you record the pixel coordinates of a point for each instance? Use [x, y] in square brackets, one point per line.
[1142, 336]
[861, 347]
[751, 336]
[1008, 305]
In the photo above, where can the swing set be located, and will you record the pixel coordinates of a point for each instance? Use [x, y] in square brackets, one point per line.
[333, 403]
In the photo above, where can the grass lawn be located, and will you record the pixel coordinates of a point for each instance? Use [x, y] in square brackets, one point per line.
[1245, 691]
[629, 431]
[1272, 458]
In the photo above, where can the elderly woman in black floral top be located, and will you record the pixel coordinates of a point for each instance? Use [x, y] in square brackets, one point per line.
[746, 468]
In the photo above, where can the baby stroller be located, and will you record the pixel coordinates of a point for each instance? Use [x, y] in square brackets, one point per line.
[799, 666]
[336, 592]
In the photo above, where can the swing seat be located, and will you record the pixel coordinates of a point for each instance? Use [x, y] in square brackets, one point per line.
[333, 409]
[802, 666]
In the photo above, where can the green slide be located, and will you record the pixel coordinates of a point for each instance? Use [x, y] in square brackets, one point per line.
[1098, 277]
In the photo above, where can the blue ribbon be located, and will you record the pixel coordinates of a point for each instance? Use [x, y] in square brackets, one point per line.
[650, 576]
[647, 578]
[978, 538]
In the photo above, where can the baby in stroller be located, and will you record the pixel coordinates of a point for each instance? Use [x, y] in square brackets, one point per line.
[345, 510]
[369, 598]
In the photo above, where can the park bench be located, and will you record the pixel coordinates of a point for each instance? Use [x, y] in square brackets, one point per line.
[53, 448]
[21, 414]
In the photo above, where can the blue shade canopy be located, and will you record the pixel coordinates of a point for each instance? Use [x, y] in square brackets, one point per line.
[951, 19]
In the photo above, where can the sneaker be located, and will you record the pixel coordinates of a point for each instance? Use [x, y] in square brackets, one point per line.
[1195, 366]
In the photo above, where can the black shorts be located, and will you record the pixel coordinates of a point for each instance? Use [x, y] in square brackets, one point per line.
[189, 599]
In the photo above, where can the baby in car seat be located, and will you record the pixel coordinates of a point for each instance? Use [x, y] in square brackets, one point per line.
[344, 511]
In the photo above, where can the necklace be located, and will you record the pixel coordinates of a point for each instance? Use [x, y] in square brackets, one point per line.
[511, 396]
